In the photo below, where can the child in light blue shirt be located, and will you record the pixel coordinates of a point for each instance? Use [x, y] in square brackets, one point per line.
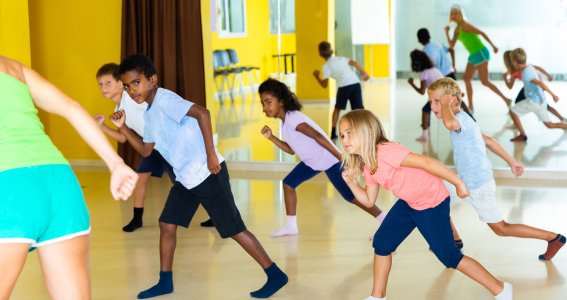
[474, 168]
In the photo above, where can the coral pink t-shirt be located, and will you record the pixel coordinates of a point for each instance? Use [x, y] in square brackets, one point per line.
[417, 187]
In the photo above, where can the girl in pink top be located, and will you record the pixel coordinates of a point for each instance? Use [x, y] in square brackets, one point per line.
[424, 200]
[306, 139]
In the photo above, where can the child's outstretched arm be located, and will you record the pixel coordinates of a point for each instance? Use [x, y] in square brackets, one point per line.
[322, 82]
[119, 120]
[49, 98]
[421, 89]
[359, 68]
[544, 72]
[509, 81]
[436, 168]
[449, 119]
[203, 117]
[115, 134]
[267, 133]
[545, 88]
[319, 138]
[366, 196]
[496, 148]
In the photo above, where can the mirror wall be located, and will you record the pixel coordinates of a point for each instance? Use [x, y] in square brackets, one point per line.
[267, 40]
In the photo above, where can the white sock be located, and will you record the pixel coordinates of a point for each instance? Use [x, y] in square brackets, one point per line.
[375, 298]
[381, 217]
[291, 221]
[424, 136]
[507, 293]
[290, 227]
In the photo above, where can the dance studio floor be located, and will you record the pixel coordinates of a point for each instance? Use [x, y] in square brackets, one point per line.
[331, 258]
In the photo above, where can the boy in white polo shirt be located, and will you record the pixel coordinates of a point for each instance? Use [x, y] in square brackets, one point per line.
[339, 68]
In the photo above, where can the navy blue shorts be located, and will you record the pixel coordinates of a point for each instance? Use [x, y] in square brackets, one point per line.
[352, 92]
[156, 164]
[303, 172]
[433, 224]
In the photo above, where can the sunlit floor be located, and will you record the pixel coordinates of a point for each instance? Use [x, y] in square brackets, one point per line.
[331, 258]
[399, 108]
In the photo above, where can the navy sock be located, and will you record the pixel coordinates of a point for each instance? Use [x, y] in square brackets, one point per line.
[459, 244]
[276, 280]
[164, 286]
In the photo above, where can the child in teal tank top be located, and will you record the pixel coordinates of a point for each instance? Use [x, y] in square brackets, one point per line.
[41, 201]
[479, 55]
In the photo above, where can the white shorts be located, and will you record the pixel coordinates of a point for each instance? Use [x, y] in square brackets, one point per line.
[483, 200]
[527, 106]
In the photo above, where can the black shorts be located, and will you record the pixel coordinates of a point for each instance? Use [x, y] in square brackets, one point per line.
[451, 75]
[352, 92]
[156, 164]
[216, 197]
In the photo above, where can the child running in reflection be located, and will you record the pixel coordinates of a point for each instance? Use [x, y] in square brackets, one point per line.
[423, 199]
[306, 139]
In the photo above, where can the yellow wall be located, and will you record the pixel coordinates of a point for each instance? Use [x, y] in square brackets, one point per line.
[380, 60]
[314, 22]
[258, 46]
[15, 30]
[69, 42]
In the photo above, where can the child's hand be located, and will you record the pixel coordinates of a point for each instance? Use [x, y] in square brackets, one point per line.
[446, 99]
[316, 73]
[410, 80]
[118, 118]
[122, 181]
[555, 98]
[462, 191]
[99, 119]
[517, 168]
[365, 76]
[213, 164]
[267, 132]
[549, 77]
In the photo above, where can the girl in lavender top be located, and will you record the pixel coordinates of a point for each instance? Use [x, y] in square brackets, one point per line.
[306, 139]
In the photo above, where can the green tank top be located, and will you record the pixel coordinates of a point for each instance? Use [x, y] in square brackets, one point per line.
[471, 41]
[23, 142]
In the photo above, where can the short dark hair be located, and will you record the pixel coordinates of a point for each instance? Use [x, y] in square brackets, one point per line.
[325, 49]
[420, 61]
[282, 92]
[109, 69]
[423, 35]
[138, 62]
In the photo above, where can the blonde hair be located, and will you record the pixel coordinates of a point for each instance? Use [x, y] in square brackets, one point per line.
[507, 56]
[518, 55]
[367, 132]
[460, 10]
[447, 86]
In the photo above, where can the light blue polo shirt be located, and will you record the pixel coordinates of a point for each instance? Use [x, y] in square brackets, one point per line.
[533, 91]
[438, 55]
[177, 137]
[469, 153]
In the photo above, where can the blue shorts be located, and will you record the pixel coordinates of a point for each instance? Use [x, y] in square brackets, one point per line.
[351, 92]
[302, 172]
[156, 164]
[433, 224]
[479, 57]
[41, 205]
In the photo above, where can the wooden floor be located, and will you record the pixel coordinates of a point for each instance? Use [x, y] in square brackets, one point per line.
[331, 258]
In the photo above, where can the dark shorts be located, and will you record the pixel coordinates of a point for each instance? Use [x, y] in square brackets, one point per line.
[303, 172]
[352, 92]
[451, 75]
[427, 107]
[433, 224]
[156, 164]
[216, 197]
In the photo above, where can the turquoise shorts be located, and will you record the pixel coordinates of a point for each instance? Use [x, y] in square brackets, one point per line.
[41, 205]
[479, 57]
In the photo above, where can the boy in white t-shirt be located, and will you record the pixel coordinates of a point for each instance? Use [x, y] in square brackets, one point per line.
[339, 68]
[154, 165]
